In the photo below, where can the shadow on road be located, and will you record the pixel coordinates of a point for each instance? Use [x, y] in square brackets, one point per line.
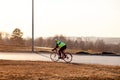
[43, 55]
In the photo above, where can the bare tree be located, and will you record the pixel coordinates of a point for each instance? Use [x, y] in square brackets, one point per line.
[1, 41]
[17, 34]
[16, 37]
[99, 45]
[28, 42]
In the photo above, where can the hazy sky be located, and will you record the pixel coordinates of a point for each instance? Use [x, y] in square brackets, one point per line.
[100, 18]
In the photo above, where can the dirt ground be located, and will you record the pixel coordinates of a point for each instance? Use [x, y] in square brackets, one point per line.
[39, 70]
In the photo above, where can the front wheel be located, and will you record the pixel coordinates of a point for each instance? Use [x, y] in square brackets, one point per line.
[68, 57]
[54, 57]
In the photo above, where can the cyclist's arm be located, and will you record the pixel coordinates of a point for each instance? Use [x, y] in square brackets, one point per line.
[55, 47]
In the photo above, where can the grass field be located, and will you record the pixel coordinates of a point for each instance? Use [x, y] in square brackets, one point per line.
[13, 48]
[38, 70]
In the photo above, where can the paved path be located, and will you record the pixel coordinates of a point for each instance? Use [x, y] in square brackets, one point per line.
[87, 59]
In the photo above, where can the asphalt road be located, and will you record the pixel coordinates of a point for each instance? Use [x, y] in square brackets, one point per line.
[86, 59]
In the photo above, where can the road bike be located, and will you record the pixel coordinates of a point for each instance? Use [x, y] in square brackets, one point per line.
[54, 56]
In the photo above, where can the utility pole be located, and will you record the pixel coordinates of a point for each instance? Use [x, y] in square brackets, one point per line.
[32, 25]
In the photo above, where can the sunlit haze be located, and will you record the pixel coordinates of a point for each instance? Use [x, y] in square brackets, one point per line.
[99, 18]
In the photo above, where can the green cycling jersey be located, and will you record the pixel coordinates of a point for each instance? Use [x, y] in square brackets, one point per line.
[60, 44]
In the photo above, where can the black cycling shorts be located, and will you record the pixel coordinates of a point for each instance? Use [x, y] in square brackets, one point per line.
[63, 48]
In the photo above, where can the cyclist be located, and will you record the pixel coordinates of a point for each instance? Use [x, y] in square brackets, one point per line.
[62, 47]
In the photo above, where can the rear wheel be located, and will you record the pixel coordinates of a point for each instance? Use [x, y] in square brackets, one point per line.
[54, 57]
[68, 58]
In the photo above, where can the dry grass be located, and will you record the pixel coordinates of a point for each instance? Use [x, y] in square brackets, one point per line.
[18, 48]
[38, 70]
[13, 48]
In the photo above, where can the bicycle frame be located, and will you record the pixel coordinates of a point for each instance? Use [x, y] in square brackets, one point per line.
[55, 56]
[62, 54]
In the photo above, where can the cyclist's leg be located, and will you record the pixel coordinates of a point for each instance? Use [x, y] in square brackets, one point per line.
[59, 53]
[63, 51]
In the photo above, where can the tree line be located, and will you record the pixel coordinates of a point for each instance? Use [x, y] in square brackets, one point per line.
[77, 44]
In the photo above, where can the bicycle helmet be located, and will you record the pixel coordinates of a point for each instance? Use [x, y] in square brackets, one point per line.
[56, 39]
